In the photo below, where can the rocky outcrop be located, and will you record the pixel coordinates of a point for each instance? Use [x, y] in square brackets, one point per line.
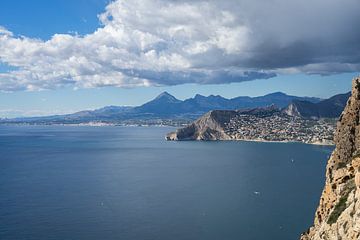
[208, 127]
[338, 214]
[328, 108]
[214, 125]
[303, 109]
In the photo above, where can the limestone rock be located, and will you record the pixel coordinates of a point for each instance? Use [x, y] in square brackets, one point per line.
[338, 213]
[208, 127]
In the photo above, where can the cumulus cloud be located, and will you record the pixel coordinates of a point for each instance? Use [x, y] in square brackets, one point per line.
[159, 42]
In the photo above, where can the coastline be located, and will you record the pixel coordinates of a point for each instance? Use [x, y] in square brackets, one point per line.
[286, 141]
[91, 125]
[261, 141]
[160, 125]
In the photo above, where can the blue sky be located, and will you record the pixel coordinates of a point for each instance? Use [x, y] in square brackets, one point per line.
[145, 66]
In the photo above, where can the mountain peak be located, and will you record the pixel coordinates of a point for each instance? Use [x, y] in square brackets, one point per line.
[276, 94]
[164, 94]
[216, 96]
[199, 96]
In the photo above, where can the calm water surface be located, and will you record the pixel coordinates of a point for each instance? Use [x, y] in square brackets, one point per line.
[128, 183]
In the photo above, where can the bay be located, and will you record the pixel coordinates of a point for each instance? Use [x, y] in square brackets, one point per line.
[78, 182]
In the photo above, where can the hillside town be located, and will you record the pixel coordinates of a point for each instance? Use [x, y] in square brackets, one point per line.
[280, 127]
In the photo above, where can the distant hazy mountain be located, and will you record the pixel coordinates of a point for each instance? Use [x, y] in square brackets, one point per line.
[279, 99]
[329, 108]
[166, 106]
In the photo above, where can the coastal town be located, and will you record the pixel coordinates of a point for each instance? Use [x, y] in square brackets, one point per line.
[280, 127]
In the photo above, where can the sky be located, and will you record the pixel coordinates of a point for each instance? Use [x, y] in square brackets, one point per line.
[63, 56]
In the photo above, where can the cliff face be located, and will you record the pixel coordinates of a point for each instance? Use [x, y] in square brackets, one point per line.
[302, 109]
[208, 127]
[214, 125]
[338, 213]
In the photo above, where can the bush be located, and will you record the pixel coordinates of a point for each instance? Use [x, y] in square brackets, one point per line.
[341, 205]
[338, 209]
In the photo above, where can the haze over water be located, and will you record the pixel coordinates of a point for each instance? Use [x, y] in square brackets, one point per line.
[129, 183]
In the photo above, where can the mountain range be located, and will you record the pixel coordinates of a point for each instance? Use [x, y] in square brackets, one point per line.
[166, 106]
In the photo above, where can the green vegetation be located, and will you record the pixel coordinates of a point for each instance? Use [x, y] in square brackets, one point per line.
[357, 154]
[341, 205]
[339, 208]
[341, 165]
[350, 185]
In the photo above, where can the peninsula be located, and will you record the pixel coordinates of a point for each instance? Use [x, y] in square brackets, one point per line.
[259, 124]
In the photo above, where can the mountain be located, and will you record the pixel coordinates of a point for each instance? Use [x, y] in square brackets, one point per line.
[203, 104]
[278, 98]
[108, 113]
[328, 108]
[165, 106]
[217, 102]
[338, 213]
[208, 127]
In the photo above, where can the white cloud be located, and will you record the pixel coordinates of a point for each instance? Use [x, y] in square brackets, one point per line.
[158, 42]
[4, 31]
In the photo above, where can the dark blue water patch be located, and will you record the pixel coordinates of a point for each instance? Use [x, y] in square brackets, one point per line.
[129, 183]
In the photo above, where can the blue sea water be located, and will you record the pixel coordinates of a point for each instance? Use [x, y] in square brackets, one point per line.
[128, 183]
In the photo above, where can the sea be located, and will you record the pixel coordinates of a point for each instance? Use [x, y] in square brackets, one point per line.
[129, 183]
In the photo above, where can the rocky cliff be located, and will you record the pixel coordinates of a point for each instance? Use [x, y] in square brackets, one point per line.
[208, 127]
[338, 214]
